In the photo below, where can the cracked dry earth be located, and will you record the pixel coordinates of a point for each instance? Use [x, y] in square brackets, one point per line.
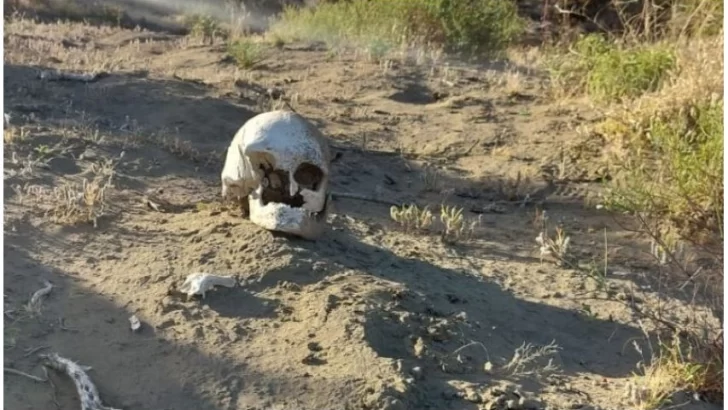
[368, 317]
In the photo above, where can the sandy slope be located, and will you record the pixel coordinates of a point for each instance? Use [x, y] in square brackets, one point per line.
[369, 317]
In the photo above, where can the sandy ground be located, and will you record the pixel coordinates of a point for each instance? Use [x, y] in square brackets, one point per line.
[368, 317]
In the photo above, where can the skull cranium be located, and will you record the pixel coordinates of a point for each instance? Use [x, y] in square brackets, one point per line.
[280, 162]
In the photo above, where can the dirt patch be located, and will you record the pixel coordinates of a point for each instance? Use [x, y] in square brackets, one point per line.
[369, 317]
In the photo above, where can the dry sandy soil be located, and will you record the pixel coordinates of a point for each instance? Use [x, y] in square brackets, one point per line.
[369, 316]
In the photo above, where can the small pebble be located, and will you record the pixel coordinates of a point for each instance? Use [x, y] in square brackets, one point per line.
[512, 405]
[417, 373]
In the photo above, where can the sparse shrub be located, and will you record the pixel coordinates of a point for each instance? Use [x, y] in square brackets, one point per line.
[89, 12]
[75, 205]
[430, 179]
[482, 26]
[697, 18]
[246, 53]
[204, 27]
[72, 203]
[411, 217]
[676, 365]
[608, 71]
[513, 189]
[675, 170]
[377, 49]
[528, 360]
[668, 170]
[277, 40]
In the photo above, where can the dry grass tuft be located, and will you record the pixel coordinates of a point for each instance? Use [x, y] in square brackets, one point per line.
[455, 227]
[677, 366]
[556, 246]
[78, 204]
[513, 189]
[431, 179]
[72, 203]
[412, 218]
[13, 135]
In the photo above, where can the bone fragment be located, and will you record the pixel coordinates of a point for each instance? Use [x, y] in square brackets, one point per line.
[200, 283]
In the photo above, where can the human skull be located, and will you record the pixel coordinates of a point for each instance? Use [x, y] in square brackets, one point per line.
[280, 162]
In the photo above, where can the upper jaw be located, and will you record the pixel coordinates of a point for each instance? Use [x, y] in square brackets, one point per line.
[282, 217]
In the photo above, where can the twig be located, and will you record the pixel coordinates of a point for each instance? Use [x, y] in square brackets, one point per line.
[692, 277]
[29, 376]
[472, 343]
[29, 352]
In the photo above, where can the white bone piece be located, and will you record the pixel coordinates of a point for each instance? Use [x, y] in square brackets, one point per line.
[200, 283]
[135, 323]
[280, 163]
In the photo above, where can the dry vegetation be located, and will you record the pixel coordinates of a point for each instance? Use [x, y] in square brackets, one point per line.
[655, 75]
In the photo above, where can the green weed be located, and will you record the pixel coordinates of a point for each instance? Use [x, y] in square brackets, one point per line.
[246, 53]
[479, 26]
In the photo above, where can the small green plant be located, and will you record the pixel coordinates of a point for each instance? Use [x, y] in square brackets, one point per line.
[277, 41]
[44, 152]
[411, 217]
[674, 170]
[204, 27]
[478, 26]
[246, 53]
[608, 71]
[377, 50]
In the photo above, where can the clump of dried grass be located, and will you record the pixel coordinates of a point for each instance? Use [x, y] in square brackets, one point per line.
[72, 203]
[456, 228]
[677, 364]
[412, 217]
[13, 135]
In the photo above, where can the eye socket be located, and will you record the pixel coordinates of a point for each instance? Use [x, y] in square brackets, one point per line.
[308, 176]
